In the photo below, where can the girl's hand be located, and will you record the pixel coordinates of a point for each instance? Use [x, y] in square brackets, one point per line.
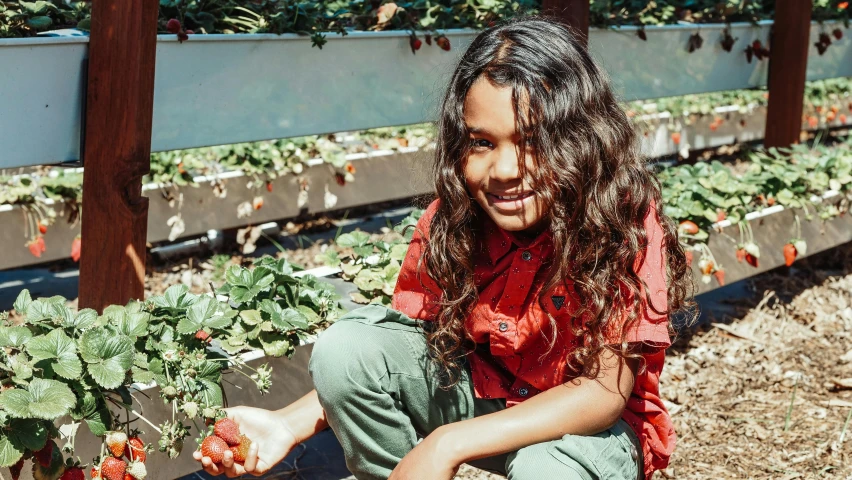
[426, 462]
[271, 440]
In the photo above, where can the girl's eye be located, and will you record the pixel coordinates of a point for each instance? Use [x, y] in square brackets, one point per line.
[474, 142]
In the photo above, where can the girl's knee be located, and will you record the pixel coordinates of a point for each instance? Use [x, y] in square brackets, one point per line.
[345, 355]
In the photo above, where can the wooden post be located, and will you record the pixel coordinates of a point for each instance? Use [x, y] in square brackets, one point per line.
[119, 110]
[788, 63]
[571, 12]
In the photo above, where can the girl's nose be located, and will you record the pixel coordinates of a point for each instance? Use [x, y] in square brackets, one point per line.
[506, 166]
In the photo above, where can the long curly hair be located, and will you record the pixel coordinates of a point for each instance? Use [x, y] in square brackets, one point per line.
[595, 184]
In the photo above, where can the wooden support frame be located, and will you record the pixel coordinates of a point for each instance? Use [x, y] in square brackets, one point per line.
[119, 113]
[574, 13]
[788, 64]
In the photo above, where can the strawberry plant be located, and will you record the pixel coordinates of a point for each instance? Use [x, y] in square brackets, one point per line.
[373, 266]
[58, 365]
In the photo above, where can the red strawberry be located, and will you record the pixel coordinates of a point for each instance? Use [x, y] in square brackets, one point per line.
[813, 121]
[173, 26]
[428, 39]
[676, 138]
[113, 468]
[214, 447]
[721, 215]
[73, 473]
[688, 257]
[720, 277]
[136, 449]
[257, 203]
[751, 260]
[75, 248]
[128, 476]
[756, 45]
[708, 267]
[350, 168]
[790, 254]
[842, 118]
[269, 186]
[202, 335]
[741, 254]
[44, 455]
[688, 227]
[443, 42]
[115, 442]
[42, 228]
[340, 178]
[36, 246]
[190, 32]
[838, 33]
[95, 473]
[830, 116]
[15, 469]
[415, 43]
[241, 451]
[770, 201]
[227, 430]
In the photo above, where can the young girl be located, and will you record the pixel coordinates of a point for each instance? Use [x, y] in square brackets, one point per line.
[530, 320]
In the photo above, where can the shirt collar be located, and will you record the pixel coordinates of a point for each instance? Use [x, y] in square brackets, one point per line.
[499, 242]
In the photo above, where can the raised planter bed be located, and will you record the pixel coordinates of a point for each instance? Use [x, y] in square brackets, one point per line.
[381, 176]
[271, 83]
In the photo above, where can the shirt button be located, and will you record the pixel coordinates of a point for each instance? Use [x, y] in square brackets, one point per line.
[503, 326]
[523, 392]
[526, 255]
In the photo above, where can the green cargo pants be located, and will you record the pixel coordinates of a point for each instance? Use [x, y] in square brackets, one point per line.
[380, 395]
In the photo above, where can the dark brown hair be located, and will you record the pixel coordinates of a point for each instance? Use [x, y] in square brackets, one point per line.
[596, 187]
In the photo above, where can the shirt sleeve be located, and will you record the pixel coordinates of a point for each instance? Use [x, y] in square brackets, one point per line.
[416, 294]
[652, 326]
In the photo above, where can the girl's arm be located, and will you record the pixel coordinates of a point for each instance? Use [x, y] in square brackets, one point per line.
[304, 417]
[582, 407]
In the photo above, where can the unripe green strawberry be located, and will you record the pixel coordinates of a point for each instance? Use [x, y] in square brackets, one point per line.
[190, 409]
[169, 391]
[137, 470]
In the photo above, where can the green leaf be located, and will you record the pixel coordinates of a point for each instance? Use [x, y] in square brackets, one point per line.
[22, 302]
[251, 317]
[40, 23]
[56, 345]
[15, 337]
[84, 319]
[109, 356]
[10, 451]
[45, 399]
[210, 393]
[274, 345]
[142, 376]
[354, 239]
[30, 433]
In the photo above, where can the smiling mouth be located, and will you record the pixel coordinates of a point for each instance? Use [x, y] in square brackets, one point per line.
[517, 196]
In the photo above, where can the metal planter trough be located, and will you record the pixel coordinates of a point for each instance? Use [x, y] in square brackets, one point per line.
[219, 89]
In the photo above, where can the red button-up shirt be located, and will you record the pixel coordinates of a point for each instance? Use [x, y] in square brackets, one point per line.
[507, 322]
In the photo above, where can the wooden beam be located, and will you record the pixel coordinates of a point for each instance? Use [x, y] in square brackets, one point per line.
[119, 110]
[574, 13]
[788, 63]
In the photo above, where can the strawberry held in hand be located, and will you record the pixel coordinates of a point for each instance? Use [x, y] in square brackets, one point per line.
[227, 430]
[241, 451]
[214, 447]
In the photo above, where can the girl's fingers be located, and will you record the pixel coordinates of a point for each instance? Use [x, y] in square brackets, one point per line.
[251, 458]
[228, 460]
[210, 467]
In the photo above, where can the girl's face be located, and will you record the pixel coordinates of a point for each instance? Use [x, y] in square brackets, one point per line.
[492, 169]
